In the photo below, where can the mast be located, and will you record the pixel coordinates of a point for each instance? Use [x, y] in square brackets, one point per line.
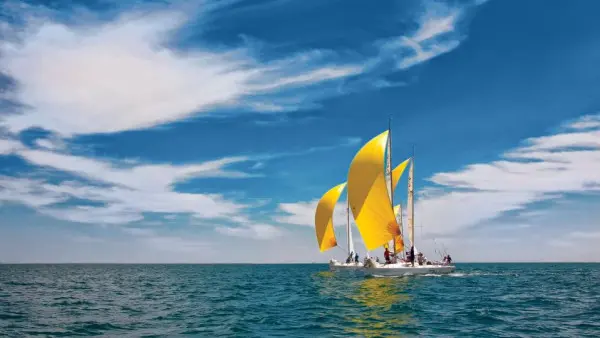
[389, 168]
[410, 202]
[349, 228]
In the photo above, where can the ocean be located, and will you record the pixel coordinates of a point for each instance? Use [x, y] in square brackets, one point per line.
[479, 300]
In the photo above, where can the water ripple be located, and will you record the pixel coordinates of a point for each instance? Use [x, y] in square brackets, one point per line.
[491, 300]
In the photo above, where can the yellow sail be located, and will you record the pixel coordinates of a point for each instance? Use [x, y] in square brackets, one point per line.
[397, 173]
[368, 194]
[324, 217]
[399, 240]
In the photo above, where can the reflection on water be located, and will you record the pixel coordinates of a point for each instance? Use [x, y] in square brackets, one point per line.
[325, 274]
[332, 284]
[373, 307]
[383, 307]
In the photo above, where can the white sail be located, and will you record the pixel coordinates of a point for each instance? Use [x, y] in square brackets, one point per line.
[410, 205]
[388, 167]
[349, 231]
[399, 217]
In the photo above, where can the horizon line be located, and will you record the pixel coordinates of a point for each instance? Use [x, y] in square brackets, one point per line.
[282, 263]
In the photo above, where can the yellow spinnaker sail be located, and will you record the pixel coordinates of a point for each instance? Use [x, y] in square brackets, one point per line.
[324, 217]
[399, 242]
[368, 194]
[397, 173]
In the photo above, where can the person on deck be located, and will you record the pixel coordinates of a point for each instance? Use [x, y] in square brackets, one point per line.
[420, 258]
[407, 257]
[386, 254]
[449, 259]
[356, 257]
[412, 255]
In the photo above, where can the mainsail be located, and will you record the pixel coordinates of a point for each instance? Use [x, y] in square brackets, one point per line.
[368, 194]
[324, 217]
[349, 230]
[397, 173]
[399, 239]
[410, 206]
[395, 176]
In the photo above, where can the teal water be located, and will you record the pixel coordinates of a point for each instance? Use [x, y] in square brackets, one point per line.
[479, 300]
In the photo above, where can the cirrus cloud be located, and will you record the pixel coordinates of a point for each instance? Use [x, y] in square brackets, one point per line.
[90, 76]
[122, 75]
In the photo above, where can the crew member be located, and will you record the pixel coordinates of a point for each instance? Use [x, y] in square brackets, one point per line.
[386, 254]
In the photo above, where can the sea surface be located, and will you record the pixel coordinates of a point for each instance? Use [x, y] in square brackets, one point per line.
[479, 300]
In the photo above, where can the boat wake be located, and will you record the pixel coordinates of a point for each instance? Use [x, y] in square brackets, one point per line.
[453, 274]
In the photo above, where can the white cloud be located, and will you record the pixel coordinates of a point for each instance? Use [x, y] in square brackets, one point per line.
[124, 205]
[8, 146]
[436, 34]
[148, 177]
[452, 211]
[438, 19]
[557, 142]
[254, 231]
[299, 213]
[542, 168]
[44, 143]
[116, 76]
[109, 214]
[50, 143]
[303, 213]
[28, 192]
[315, 76]
[587, 122]
[123, 191]
[94, 77]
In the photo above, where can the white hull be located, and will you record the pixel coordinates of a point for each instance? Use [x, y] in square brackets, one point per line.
[336, 265]
[403, 269]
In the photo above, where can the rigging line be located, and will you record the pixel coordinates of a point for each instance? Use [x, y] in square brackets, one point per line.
[344, 250]
[336, 241]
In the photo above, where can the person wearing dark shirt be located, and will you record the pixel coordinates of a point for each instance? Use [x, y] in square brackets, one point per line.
[412, 255]
[386, 254]
[356, 257]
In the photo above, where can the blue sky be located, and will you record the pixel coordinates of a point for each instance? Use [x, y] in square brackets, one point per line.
[205, 131]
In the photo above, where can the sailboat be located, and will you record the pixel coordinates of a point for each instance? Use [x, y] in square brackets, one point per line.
[324, 228]
[371, 186]
[326, 238]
